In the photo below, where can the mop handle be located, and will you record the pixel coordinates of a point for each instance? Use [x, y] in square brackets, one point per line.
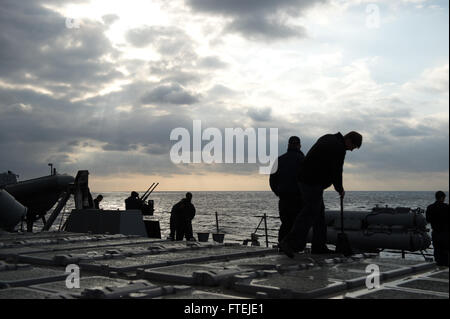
[217, 223]
[342, 214]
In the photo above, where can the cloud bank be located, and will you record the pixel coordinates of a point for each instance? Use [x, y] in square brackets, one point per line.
[80, 99]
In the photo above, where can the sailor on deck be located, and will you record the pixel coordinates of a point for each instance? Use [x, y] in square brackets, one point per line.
[133, 202]
[285, 185]
[437, 215]
[322, 167]
[97, 201]
[181, 218]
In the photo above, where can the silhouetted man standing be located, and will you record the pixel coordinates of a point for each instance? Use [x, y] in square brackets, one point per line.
[285, 184]
[437, 215]
[182, 215]
[322, 167]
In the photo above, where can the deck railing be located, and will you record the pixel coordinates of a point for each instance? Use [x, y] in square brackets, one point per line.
[270, 236]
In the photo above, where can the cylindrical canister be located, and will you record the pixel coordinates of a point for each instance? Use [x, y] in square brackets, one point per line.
[11, 211]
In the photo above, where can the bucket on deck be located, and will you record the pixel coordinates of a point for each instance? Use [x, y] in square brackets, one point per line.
[203, 237]
[217, 237]
[152, 228]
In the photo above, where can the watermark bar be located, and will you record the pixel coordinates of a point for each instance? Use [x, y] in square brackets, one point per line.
[235, 146]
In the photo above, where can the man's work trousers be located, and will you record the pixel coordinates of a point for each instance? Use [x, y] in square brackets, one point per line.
[440, 245]
[289, 206]
[311, 215]
[183, 228]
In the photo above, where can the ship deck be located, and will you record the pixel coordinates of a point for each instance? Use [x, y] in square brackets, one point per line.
[33, 266]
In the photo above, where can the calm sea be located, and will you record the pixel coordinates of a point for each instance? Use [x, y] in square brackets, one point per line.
[239, 213]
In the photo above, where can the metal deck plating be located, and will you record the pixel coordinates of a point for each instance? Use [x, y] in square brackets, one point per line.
[118, 266]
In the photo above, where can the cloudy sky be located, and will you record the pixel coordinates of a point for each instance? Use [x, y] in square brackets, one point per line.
[100, 85]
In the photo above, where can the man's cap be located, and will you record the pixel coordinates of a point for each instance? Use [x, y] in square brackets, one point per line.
[439, 195]
[294, 139]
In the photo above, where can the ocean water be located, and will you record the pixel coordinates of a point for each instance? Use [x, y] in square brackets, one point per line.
[239, 213]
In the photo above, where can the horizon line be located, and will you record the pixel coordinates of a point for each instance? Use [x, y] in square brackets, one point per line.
[179, 191]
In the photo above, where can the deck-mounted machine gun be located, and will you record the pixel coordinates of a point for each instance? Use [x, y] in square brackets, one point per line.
[148, 206]
[85, 218]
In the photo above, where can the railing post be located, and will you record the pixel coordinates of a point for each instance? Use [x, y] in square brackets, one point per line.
[265, 228]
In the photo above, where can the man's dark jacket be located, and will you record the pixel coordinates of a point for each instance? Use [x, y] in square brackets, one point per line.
[323, 165]
[285, 179]
[438, 216]
[184, 210]
[133, 203]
